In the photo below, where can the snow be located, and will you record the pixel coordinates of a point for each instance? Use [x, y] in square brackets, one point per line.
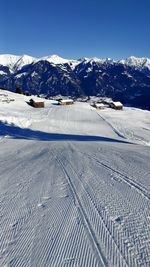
[20, 75]
[8, 60]
[74, 185]
[95, 60]
[34, 73]
[17, 62]
[131, 123]
[55, 59]
[2, 72]
[66, 100]
[137, 62]
[117, 104]
[88, 70]
[24, 60]
[100, 105]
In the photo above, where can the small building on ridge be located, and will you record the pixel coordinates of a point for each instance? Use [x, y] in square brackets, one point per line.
[116, 105]
[66, 101]
[36, 103]
[100, 106]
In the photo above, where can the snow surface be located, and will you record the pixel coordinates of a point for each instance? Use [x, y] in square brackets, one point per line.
[8, 60]
[2, 72]
[55, 59]
[24, 60]
[137, 62]
[74, 185]
[15, 62]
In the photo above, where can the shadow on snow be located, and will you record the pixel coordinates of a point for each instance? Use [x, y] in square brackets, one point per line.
[28, 134]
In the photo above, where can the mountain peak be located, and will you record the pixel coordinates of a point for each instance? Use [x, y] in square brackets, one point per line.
[24, 60]
[15, 62]
[8, 60]
[55, 59]
[139, 62]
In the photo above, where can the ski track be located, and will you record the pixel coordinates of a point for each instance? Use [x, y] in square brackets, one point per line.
[66, 203]
[120, 176]
[111, 126]
[105, 230]
[123, 131]
[96, 247]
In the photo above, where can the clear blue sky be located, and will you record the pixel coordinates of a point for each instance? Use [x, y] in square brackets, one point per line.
[75, 28]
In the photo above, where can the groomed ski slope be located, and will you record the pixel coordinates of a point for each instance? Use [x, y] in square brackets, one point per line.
[74, 186]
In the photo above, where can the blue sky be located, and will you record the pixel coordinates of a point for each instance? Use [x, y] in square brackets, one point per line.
[75, 28]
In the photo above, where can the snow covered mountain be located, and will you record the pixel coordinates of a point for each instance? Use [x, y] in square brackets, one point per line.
[17, 62]
[126, 80]
[55, 59]
[138, 63]
[14, 62]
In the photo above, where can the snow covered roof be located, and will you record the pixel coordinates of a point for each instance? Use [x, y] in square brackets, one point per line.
[117, 104]
[66, 100]
[37, 100]
[99, 105]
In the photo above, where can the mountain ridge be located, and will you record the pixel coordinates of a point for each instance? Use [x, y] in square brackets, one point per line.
[126, 80]
[9, 60]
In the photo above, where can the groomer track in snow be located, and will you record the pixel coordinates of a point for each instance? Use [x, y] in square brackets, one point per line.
[74, 186]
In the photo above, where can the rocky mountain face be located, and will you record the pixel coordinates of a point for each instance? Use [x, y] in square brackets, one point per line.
[125, 80]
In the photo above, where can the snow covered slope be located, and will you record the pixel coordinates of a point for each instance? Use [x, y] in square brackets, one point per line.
[55, 59]
[15, 62]
[74, 185]
[139, 63]
[9, 60]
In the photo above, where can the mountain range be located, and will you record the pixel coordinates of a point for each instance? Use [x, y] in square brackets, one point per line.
[125, 80]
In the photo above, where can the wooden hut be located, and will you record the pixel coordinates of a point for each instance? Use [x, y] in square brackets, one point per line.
[99, 106]
[116, 105]
[66, 102]
[36, 103]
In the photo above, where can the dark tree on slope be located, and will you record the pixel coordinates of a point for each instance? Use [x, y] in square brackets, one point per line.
[19, 90]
